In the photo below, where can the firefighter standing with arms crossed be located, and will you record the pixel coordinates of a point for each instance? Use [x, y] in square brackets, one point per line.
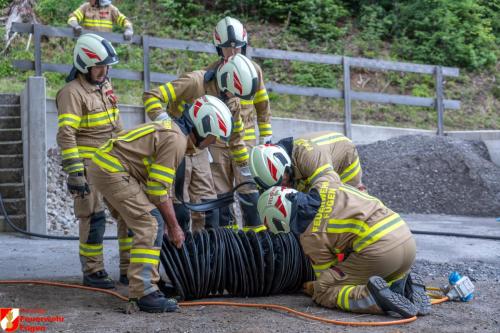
[99, 15]
[230, 38]
[87, 117]
[236, 80]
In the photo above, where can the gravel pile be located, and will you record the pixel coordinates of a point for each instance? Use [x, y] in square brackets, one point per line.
[476, 270]
[432, 175]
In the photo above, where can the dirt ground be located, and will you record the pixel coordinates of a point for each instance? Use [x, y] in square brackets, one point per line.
[85, 311]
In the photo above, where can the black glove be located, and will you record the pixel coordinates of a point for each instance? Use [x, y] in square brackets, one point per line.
[77, 184]
[77, 29]
[128, 33]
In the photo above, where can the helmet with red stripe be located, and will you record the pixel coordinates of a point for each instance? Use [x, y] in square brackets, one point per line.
[229, 32]
[275, 210]
[268, 164]
[238, 76]
[210, 116]
[93, 50]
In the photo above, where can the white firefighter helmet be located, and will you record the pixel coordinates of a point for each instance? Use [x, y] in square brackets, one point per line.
[275, 209]
[238, 76]
[211, 116]
[229, 32]
[104, 3]
[93, 50]
[268, 163]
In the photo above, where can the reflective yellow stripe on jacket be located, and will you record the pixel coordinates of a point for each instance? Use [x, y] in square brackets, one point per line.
[265, 129]
[260, 96]
[249, 134]
[68, 119]
[98, 23]
[319, 172]
[320, 268]
[377, 231]
[101, 118]
[329, 138]
[351, 171]
[240, 155]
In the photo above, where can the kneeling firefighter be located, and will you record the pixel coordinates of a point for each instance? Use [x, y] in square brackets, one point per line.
[360, 250]
[147, 157]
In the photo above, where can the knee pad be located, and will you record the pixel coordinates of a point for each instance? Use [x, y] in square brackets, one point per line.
[183, 216]
[97, 228]
[161, 225]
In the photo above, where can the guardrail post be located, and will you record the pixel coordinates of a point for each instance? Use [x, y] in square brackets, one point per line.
[146, 74]
[38, 49]
[347, 98]
[33, 116]
[439, 103]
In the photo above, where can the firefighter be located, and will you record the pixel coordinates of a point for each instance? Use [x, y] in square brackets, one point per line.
[230, 38]
[135, 173]
[297, 162]
[88, 116]
[99, 15]
[232, 82]
[357, 247]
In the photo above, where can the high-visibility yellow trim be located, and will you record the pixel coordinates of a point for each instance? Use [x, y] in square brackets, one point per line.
[233, 227]
[68, 119]
[137, 133]
[121, 19]
[260, 99]
[90, 250]
[101, 118]
[377, 231]
[318, 171]
[145, 251]
[70, 153]
[90, 253]
[261, 92]
[163, 93]
[172, 91]
[320, 268]
[152, 103]
[79, 15]
[343, 297]
[329, 136]
[351, 171]
[245, 102]
[354, 226]
[103, 25]
[238, 126]
[155, 188]
[72, 18]
[255, 229]
[264, 125]
[107, 161]
[266, 133]
[144, 261]
[86, 151]
[356, 192]
[91, 246]
[125, 244]
[162, 173]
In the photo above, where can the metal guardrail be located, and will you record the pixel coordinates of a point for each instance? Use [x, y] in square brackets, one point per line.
[347, 94]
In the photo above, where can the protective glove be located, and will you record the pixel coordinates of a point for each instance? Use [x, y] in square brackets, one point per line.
[128, 33]
[265, 139]
[308, 288]
[245, 173]
[77, 29]
[77, 184]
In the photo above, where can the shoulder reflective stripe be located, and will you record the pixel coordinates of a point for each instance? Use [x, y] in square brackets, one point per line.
[107, 161]
[379, 230]
[245, 102]
[348, 225]
[343, 297]
[86, 152]
[352, 190]
[330, 141]
[161, 173]
[137, 133]
[70, 153]
[155, 188]
[328, 136]
[255, 229]
[351, 171]
[318, 172]
[79, 15]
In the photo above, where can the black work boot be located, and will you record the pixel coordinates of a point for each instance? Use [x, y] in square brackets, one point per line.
[388, 300]
[124, 279]
[416, 293]
[99, 280]
[156, 302]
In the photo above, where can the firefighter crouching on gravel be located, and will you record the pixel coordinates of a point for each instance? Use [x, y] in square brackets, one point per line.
[147, 157]
[336, 220]
[88, 116]
[99, 15]
[236, 80]
[298, 162]
[230, 38]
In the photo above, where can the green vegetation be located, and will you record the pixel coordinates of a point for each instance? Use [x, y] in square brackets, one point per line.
[461, 33]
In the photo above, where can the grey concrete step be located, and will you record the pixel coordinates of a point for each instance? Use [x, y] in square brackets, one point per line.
[11, 161]
[10, 122]
[10, 99]
[15, 206]
[10, 134]
[10, 110]
[18, 220]
[11, 147]
[12, 190]
[11, 175]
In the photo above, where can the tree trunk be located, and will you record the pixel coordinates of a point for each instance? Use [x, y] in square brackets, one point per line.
[19, 11]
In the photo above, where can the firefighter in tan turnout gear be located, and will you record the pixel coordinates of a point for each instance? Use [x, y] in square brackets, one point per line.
[88, 116]
[135, 173]
[232, 82]
[99, 15]
[230, 38]
[357, 246]
[298, 162]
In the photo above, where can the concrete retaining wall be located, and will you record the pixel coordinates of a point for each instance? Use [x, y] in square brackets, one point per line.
[284, 127]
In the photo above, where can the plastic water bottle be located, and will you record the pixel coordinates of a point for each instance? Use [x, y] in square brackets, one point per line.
[460, 288]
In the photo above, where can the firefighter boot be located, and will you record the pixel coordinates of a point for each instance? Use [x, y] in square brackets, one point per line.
[99, 280]
[124, 279]
[412, 287]
[156, 302]
[388, 300]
